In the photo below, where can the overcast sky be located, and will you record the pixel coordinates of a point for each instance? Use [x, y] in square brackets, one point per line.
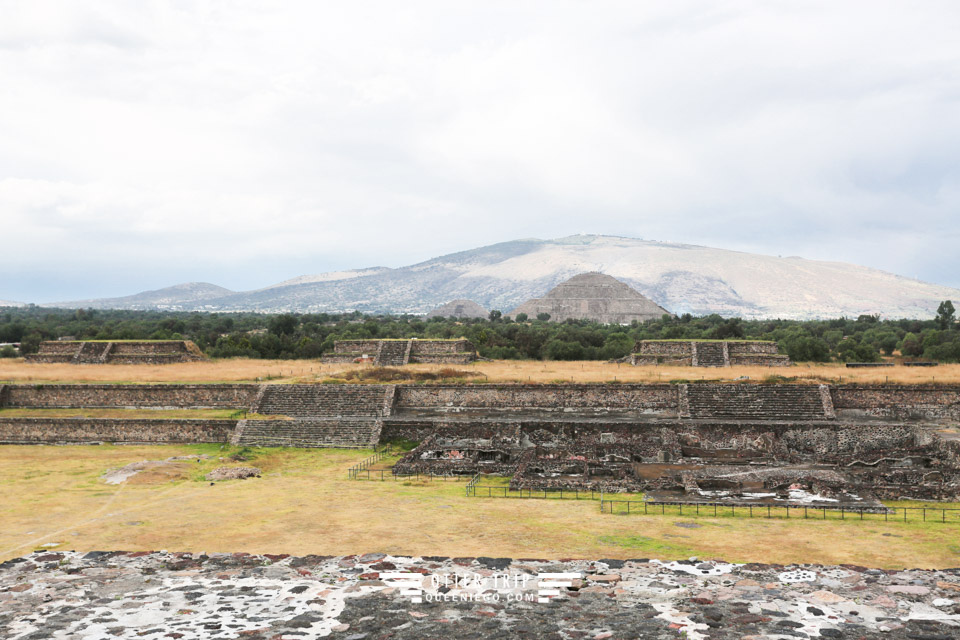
[145, 143]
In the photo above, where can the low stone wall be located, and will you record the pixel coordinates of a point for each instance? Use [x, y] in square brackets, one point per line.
[117, 352]
[664, 348]
[79, 430]
[443, 358]
[751, 347]
[760, 360]
[600, 398]
[681, 353]
[178, 396]
[897, 402]
[356, 347]
[440, 347]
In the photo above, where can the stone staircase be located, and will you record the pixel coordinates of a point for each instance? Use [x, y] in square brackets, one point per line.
[711, 354]
[323, 400]
[338, 433]
[324, 415]
[91, 352]
[756, 402]
[393, 353]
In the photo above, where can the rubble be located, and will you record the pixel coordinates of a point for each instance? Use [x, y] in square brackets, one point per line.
[233, 473]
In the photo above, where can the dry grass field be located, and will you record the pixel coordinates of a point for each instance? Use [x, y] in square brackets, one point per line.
[53, 497]
[250, 370]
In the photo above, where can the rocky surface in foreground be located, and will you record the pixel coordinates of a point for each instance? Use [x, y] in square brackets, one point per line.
[163, 595]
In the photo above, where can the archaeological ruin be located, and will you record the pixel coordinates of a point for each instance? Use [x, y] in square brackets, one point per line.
[593, 296]
[708, 353]
[117, 352]
[690, 443]
[459, 309]
[394, 353]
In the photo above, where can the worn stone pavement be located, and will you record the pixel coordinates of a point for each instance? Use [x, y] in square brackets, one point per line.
[162, 595]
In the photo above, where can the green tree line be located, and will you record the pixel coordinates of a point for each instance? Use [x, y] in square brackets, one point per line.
[309, 335]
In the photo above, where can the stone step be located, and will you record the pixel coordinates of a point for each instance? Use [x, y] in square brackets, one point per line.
[323, 400]
[310, 433]
[393, 353]
[755, 401]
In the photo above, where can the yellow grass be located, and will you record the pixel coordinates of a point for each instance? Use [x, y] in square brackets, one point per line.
[250, 370]
[304, 503]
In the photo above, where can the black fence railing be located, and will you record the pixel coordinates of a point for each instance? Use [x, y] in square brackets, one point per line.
[384, 475]
[503, 491]
[716, 509]
[472, 484]
[378, 454]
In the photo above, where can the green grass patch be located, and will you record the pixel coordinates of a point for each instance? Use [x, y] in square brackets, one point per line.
[647, 545]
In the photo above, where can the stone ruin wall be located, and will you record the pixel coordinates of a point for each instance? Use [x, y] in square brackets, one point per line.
[358, 347]
[93, 430]
[116, 352]
[680, 353]
[897, 402]
[148, 348]
[440, 347]
[599, 398]
[154, 396]
[751, 347]
[59, 348]
[421, 351]
[758, 360]
[632, 421]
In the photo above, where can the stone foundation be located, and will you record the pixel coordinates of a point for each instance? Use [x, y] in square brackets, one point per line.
[129, 431]
[146, 396]
[400, 352]
[894, 441]
[117, 352]
[708, 353]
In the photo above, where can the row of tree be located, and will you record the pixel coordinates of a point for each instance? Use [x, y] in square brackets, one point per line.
[864, 339]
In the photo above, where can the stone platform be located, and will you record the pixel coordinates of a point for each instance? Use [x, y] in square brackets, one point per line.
[185, 596]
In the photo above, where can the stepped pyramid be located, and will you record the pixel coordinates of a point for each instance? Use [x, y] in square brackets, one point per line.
[459, 309]
[593, 296]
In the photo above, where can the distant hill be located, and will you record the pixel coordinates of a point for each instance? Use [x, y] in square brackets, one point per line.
[181, 297]
[681, 278]
[8, 303]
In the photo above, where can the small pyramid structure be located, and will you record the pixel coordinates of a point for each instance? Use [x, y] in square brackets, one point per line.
[459, 309]
[593, 296]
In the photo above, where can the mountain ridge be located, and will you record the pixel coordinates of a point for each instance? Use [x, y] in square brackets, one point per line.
[682, 278]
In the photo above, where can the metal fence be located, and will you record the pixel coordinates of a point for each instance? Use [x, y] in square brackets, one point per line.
[383, 475]
[717, 509]
[723, 509]
[503, 491]
[378, 455]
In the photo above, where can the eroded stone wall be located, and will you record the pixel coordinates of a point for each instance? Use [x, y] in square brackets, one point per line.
[898, 402]
[596, 398]
[86, 430]
[182, 396]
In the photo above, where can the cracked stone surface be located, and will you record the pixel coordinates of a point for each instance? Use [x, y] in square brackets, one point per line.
[160, 595]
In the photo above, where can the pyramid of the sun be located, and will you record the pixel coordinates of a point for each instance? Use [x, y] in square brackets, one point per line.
[593, 296]
[459, 309]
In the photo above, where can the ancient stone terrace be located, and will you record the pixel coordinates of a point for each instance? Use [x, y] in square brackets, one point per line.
[756, 402]
[116, 352]
[309, 433]
[322, 400]
[900, 441]
[708, 353]
[394, 353]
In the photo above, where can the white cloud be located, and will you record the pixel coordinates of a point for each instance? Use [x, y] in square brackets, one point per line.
[246, 142]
